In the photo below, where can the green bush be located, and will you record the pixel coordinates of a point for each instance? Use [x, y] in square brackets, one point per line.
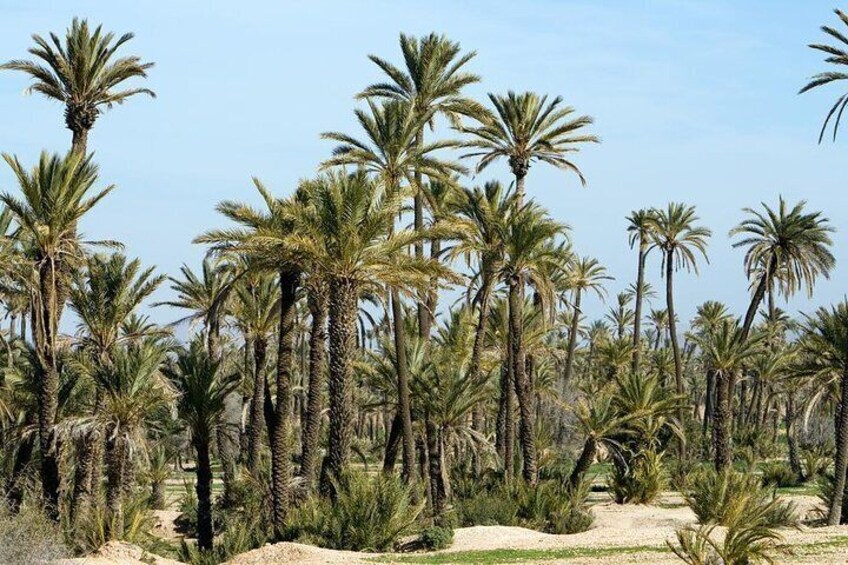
[488, 508]
[367, 515]
[639, 482]
[713, 497]
[30, 537]
[434, 538]
[779, 474]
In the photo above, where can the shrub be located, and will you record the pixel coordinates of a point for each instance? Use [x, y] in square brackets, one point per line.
[779, 474]
[713, 497]
[815, 462]
[30, 537]
[434, 538]
[367, 515]
[488, 509]
[639, 482]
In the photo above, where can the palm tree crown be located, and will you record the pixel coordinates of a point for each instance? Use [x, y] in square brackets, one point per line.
[836, 55]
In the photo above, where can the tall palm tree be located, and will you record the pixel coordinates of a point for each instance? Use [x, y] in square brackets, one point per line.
[431, 84]
[525, 128]
[639, 228]
[710, 315]
[393, 154]
[726, 353]
[659, 320]
[620, 315]
[55, 195]
[835, 55]
[786, 247]
[584, 274]
[531, 254]
[83, 73]
[345, 232]
[824, 346]
[262, 236]
[104, 297]
[675, 233]
[202, 388]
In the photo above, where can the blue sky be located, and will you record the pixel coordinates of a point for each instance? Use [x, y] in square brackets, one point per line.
[694, 101]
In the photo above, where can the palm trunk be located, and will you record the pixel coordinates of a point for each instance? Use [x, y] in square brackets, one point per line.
[116, 461]
[709, 400]
[404, 405]
[721, 422]
[505, 424]
[834, 516]
[204, 496]
[392, 444]
[438, 488]
[584, 462]
[280, 456]
[791, 441]
[343, 308]
[79, 141]
[476, 355]
[81, 496]
[520, 172]
[637, 314]
[14, 486]
[757, 298]
[317, 299]
[257, 405]
[675, 346]
[572, 339]
[523, 387]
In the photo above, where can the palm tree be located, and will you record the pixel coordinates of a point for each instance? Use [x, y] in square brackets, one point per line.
[431, 84]
[103, 298]
[675, 233]
[835, 55]
[202, 389]
[708, 318]
[639, 228]
[56, 194]
[659, 321]
[526, 128]
[584, 274]
[133, 391]
[531, 254]
[726, 353]
[784, 246]
[393, 154]
[824, 346]
[83, 74]
[621, 315]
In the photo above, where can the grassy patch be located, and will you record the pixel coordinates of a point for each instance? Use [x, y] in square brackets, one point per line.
[517, 555]
[816, 547]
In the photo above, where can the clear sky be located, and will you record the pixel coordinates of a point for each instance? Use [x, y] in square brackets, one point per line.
[695, 101]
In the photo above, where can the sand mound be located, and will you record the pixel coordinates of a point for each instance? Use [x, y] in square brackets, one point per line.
[120, 553]
[287, 552]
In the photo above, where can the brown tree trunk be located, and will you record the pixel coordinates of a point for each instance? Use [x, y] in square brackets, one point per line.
[584, 462]
[721, 422]
[256, 420]
[637, 313]
[834, 516]
[757, 298]
[523, 387]
[317, 301]
[404, 405]
[343, 308]
[116, 461]
[438, 488]
[203, 488]
[572, 339]
[791, 440]
[476, 355]
[675, 346]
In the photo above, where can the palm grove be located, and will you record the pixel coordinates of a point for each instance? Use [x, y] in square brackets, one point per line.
[328, 342]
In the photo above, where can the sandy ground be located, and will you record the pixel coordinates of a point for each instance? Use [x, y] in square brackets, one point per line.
[615, 526]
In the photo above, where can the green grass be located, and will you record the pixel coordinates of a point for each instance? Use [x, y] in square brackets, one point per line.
[815, 547]
[809, 489]
[517, 555]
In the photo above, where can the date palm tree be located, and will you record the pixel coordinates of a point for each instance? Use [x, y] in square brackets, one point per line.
[674, 232]
[835, 55]
[787, 248]
[84, 73]
[585, 274]
[525, 128]
[639, 230]
[824, 350]
[431, 83]
[531, 254]
[202, 389]
[393, 155]
[55, 194]
[345, 231]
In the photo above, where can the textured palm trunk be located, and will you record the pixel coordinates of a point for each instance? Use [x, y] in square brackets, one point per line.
[392, 444]
[404, 405]
[280, 452]
[834, 516]
[572, 339]
[523, 387]
[721, 422]
[709, 401]
[757, 298]
[476, 354]
[81, 496]
[438, 487]
[344, 296]
[317, 302]
[637, 314]
[256, 420]
[157, 495]
[45, 328]
[432, 292]
[675, 346]
[203, 488]
[520, 172]
[506, 420]
[79, 140]
[116, 462]
[581, 467]
[791, 440]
